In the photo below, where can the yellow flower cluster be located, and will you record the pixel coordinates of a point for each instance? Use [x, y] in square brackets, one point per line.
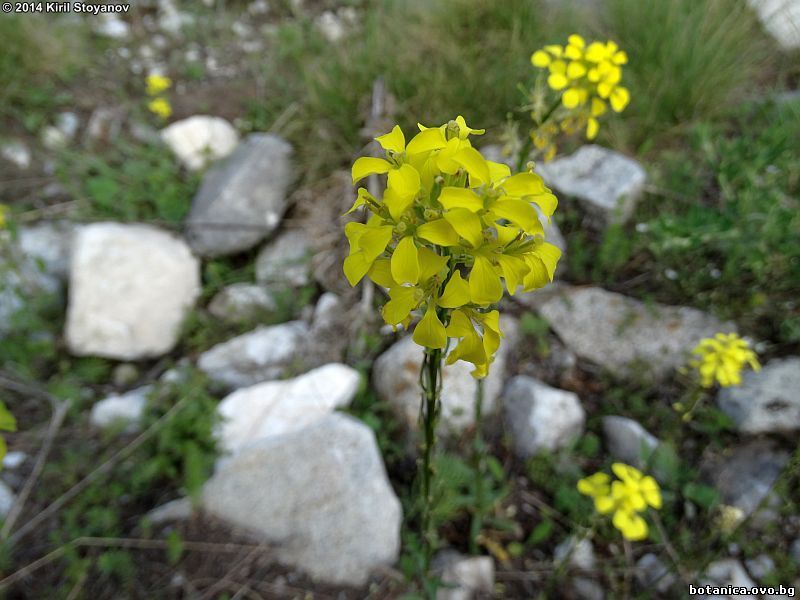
[722, 358]
[625, 497]
[450, 228]
[159, 105]
[588, 79]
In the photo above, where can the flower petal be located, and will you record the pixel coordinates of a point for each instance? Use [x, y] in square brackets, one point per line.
[438, 232]
[484, 282]
[426, 140]
[430, 331]
[457, 197]
[394, 140]
[405, 262]
[467, 224]
[367, 165]
[456, 292]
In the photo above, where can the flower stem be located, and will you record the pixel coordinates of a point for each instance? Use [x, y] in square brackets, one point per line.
[478, 465]
[430, 407]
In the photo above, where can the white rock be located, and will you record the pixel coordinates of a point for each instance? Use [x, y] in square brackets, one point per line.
[781, 18]
[760, 566]
[276, 407]
[242, 199]
[200, 139]
[118, 409]
[16, 153]
[49, 243]
[728, 572]
[628, 441]
[464, 577]
[170, 19]
[624, 335]
[585, 588]
[7, 499]
[326, 311]
[253, 357]
[607, 183]
[285, 260]
[580, 552]
[330, 26]
[541, 417]
[767, 401]
[68, 123]
[320, 493]
[14, 460]
[105, 123]
[131, 286]
[396, 380]
[241, 301]
[53, 138]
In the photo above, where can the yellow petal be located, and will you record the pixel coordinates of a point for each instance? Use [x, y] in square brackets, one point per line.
[465, 130]
[547, 202]
[466, 224]
[619, 99]
[456, 197]
[484, 282]
[460, 325]
[540, 59]
[430, 331]
[366, 165]
[632, 526]
[394, 140]
[554, 49]
[402, 300]
[426, 140]
[430, 263]
[456, 292]
[396, 203]
[575, 70]
[381, 273]
[576, 40]
[405, 262]
[524, 184]
[474, 164]
[519, 212]
[405, 180]
[571, 98]
[598, 107]
[514, 271]
[438, 232]
[557, 81]
[592, 127]
[498, 171]
[361, 200]
[573, 52]
[355, 267]
[374, 241]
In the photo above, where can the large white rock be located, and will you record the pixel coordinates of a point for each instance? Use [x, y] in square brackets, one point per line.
[253, 357]
[321, 493]
[607, 183]
[276, 407]
[624, 335]
[396, 380]
[728, 572]
[541, 417]
[131, 286]
[200, 139]
[243, 198]
[781, 18]
[285, 260]
[124, 409]
[767, 401]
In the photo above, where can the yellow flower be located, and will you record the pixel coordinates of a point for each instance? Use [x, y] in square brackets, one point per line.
[156, 84]
[587, 77]
[451, 233]
[625, 497]
[160, 107]
[722, 358]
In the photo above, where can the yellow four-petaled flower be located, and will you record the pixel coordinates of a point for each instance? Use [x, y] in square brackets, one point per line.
[722, 359]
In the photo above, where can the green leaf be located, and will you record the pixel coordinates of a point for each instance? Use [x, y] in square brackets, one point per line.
[174, 547]
[541, 532]
[703, 495]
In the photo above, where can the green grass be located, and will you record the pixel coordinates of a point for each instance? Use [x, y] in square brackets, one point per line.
[726, 226]
[689, 60]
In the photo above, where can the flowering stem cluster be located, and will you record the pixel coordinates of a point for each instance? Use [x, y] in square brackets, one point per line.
[430, 408]
[582, 81]
[156, 86]
[625, 498]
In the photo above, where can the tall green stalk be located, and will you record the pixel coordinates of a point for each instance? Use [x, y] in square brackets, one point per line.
[479, 468]
[430, 409]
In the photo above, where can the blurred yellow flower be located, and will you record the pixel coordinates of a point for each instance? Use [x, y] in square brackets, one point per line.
[451, 233]
[625, 497]
[588, 78]
[722, 358]
[160, 107]
[156, 84]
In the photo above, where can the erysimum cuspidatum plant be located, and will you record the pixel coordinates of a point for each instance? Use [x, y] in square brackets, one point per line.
[450, 233]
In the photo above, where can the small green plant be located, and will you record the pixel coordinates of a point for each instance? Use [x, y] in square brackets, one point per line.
[129, 182]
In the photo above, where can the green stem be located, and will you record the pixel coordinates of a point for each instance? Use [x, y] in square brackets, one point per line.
[430, 378]
[478, 465]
